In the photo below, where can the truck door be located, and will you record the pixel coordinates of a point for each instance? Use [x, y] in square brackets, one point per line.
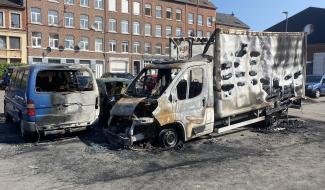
[190, 103]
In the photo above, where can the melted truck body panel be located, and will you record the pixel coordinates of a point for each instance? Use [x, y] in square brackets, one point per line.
[255, 69]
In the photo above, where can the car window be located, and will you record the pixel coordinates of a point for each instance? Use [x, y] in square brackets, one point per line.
[18, 79]
[13, 79]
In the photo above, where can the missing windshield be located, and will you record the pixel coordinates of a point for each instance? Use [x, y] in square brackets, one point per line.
[152, 82]
[64, 81]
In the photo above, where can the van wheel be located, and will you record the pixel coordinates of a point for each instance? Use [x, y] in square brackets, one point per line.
[317, 94]
[28, 137]
[168, 138]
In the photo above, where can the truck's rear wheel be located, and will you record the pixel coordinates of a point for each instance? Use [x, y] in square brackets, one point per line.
[168, 138]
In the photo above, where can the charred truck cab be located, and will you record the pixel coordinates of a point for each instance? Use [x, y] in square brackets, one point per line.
[231, 80]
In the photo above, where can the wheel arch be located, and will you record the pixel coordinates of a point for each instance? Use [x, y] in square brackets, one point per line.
[180, 129]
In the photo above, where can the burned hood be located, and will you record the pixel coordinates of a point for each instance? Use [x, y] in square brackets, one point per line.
[126, 106]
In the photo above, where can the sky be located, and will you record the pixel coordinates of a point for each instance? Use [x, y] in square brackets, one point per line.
[262, 14]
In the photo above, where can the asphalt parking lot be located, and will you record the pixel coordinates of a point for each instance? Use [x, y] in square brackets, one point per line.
[291, 156]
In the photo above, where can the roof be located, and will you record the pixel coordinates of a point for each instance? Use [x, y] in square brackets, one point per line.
[230, 20]
[12, 3]
[312, 16]
[202, 3]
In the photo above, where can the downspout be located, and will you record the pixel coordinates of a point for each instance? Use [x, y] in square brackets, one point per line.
[26, 28]
[105, 33]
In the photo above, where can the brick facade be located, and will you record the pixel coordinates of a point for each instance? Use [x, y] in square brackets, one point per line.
[106, 56]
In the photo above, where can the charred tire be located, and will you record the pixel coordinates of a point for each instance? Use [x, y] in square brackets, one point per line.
[168, 138]
[272, 120]
[317, 93]
[27, 136]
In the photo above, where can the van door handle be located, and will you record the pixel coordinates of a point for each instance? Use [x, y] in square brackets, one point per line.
[203, 102]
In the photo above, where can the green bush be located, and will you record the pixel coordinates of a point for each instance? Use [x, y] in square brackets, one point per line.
[4, 66]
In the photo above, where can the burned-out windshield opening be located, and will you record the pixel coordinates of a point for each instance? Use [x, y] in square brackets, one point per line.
[152, 82]
[64, 81]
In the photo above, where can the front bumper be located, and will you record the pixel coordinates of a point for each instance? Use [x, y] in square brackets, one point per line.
[128, 138]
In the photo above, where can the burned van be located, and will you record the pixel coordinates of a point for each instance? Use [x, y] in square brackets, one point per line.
[51, 99]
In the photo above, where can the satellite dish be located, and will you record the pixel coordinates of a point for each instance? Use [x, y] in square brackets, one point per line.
[309, 28]
[48, 49]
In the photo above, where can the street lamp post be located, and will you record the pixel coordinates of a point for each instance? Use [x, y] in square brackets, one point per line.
[286, 13]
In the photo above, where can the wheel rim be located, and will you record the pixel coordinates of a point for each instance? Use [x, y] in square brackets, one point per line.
[317, 93]
[170, 138]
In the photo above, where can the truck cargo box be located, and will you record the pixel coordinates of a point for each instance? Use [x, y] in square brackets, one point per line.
[254, 69]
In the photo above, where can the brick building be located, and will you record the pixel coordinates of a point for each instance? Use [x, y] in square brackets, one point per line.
[112, 35]
[12, 32]
[310, 20]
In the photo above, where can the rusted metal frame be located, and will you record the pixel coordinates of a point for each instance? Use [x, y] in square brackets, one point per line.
[241, 124]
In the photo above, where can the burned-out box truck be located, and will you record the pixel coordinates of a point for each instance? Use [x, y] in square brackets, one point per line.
[233, 79]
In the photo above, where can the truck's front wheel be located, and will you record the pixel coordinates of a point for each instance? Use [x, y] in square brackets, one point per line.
[168, 138]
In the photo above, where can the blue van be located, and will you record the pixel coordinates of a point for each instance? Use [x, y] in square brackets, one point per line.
[51, 99]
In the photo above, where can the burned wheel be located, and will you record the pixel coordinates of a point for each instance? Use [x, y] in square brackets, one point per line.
[168, 138]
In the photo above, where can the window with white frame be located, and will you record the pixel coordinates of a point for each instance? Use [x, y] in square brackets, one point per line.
[147, 29]
[112, 5]
[112, 45]
[69, 42]
[190, 33]
[158, 30]
[54, 41]
[68, 19]
[178, 32]
[15, 20]
[136, 28]
[53, 18]
[136, 47]
[84, 3]
[124, 6]
[136, 8]
[84, 44]
[99, 44]
[36, 39]
[35, 15]
[147, 48]
[112, 25]
[99, 4]
[169, 32]
[84, 21]
[125, 47]
[158, 49]
[2, 19]
[158, 12]
[209, 21]
[200, 20]
[190, 18]
[178, 14]
[124, 27]
[169, 13]
[98, 24]
[147, 9]
[69, 2]
[167, 49]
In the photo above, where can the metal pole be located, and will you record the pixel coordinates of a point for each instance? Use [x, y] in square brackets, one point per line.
[286, 13]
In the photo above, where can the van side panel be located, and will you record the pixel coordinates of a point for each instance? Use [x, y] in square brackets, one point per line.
[256, 69]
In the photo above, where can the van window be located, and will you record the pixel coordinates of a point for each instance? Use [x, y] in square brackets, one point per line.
[13, 78]
[196, 82]
[182, 87]
[64, 81]
[24, 80]
[18, 79]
